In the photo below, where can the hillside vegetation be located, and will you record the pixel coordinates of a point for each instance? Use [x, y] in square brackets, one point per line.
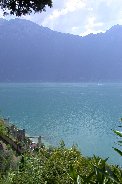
[58, 165]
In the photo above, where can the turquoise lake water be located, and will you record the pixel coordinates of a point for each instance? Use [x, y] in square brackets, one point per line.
[81, 114]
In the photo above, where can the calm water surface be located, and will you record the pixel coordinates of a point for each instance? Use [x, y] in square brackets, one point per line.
[81, 114]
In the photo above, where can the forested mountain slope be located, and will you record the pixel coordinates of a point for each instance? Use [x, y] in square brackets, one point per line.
[32, 53]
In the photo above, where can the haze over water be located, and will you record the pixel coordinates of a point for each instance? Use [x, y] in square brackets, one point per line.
[81, 114]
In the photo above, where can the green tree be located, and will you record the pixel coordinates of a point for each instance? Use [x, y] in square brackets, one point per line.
[23, 7]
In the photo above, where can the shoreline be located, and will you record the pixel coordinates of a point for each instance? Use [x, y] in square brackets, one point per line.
[18, 139]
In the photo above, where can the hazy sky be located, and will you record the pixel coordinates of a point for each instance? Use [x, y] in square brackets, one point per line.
[80, 17]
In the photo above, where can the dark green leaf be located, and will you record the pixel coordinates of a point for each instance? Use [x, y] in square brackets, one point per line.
[117, 133]
[118, 151]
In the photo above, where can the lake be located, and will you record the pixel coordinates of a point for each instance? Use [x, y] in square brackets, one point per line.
[78, 113]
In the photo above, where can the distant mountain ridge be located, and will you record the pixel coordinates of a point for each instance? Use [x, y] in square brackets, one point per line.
[32, 53]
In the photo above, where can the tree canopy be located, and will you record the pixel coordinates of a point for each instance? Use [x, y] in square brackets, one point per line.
[24, 7]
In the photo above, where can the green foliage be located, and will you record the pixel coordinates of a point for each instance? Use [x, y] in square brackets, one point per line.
[3, 130]
[62, 166]
[23, 7]
[119, 134]
[118, 151]
[6, 162]
[117, 174]
[58, 165]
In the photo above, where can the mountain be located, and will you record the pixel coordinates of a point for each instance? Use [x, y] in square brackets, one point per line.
[32, 53]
